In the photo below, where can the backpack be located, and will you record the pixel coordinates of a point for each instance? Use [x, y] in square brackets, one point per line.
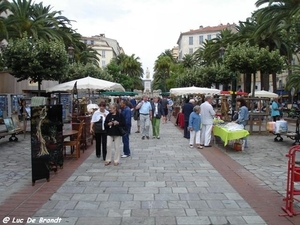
[136, 114]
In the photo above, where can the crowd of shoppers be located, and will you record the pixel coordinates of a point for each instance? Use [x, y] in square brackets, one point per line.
[112, 127]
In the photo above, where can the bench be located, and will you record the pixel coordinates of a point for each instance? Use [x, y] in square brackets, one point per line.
[12, 129]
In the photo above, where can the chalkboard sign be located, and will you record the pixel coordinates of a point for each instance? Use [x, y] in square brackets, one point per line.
[46, 140]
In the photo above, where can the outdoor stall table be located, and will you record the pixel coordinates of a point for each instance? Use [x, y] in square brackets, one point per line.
[227, 135]
[69, 133]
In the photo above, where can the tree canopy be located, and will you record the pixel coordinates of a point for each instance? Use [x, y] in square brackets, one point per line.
[36, 60]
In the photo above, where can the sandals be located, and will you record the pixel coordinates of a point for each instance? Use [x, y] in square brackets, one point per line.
[200, 147]
[108, 163]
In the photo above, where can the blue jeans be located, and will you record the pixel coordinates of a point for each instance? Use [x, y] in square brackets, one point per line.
[125, 140]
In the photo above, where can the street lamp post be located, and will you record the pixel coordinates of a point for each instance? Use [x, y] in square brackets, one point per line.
[233, 95]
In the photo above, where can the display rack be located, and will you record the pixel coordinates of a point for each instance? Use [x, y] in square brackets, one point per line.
[46, 140]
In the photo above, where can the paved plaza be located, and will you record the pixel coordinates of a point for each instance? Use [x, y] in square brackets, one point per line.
[163, 182]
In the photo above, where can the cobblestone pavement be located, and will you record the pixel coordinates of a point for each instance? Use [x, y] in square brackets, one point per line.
[163, 182]
[15, 165]
[266, 159]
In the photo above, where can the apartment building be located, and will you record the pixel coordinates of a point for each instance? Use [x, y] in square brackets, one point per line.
[174, 51]
[107, 48]
[188, 42]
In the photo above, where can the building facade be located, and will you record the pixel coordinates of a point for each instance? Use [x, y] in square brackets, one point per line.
[107, 48]
[174, 51]
[188, 42]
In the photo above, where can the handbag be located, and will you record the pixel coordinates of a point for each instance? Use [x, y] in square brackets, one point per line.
[98, 127]
[122, 130]
[136, 114]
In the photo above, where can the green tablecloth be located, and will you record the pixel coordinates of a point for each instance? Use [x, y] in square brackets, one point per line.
[226, 135]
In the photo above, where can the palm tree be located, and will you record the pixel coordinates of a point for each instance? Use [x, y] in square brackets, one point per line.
[211, 48]
[132, 67]
[162, 67]
[35, 20]
[88, 55]
[169, 53]
[188, 61]
[293, 79]
[25, 18]
[278, 28]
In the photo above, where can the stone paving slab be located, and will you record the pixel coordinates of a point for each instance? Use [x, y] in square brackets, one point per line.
[163, 182]
[157, 169]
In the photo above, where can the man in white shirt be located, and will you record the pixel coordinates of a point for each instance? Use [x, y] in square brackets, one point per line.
[145, 109]
[207, 120]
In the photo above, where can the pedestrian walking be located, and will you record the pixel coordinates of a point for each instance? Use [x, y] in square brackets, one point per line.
[97, 128]
[164, 103]
[145, 110]
[195, 127]
[114, 120]
[187, 109]
[170, 108]
[126, 112]
[136, 117]
[207, 119]
[157, 114]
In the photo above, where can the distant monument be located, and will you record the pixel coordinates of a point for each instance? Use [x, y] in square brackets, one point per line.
[147, 82]
[147, 74]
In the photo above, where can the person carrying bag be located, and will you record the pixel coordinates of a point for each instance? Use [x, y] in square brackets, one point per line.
[98, 130]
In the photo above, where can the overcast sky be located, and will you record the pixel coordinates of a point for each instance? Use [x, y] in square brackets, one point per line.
[147, 28]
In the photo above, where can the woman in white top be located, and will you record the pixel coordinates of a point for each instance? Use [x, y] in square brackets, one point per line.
[98, 129]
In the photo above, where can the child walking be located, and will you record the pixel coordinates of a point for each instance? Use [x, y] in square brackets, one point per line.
[195, 127]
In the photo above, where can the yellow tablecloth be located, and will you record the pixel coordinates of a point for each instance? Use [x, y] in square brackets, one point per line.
[226, 135]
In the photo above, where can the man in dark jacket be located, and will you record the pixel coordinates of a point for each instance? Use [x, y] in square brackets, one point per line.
[126, 112]
[187, 109]
[164, 104]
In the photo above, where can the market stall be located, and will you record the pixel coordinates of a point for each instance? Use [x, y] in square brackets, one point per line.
[229, 132]
[193, 91]
[259, 111]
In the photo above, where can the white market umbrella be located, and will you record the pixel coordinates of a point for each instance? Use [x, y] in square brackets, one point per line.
[264, 94]
[87, 83]
[193, 90]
